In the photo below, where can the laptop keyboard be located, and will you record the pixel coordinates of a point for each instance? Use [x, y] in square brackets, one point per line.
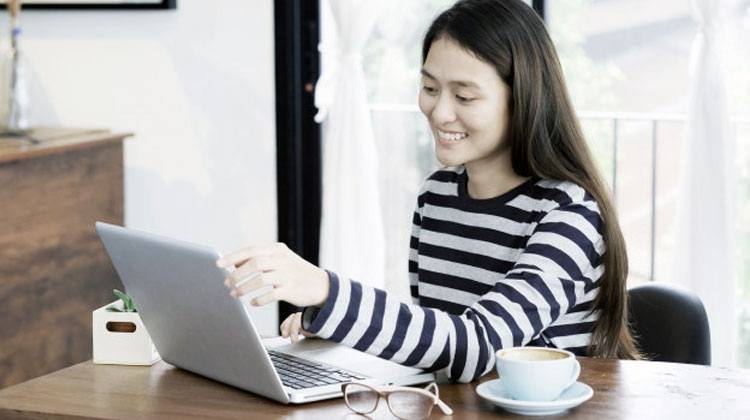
[298, 373]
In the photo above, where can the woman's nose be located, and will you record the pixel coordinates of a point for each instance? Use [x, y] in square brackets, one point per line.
[444, 111]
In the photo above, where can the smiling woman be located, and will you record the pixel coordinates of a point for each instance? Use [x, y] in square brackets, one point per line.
[514, 242]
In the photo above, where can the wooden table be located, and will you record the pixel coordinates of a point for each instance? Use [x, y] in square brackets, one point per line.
[53, 270]
[623, 390]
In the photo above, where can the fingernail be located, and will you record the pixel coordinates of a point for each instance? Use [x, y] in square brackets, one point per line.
[233, 293]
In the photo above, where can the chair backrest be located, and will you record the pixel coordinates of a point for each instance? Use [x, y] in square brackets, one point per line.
[669, 324]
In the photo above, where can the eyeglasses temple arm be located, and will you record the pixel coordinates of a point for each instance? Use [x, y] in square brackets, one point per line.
[443, 406]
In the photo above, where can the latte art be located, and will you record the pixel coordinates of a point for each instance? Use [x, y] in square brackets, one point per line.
[533, 355]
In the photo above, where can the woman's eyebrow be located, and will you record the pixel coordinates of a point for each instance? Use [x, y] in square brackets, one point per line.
[462, 83]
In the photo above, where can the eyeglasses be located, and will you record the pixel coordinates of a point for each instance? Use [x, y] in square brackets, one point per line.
[404, 402]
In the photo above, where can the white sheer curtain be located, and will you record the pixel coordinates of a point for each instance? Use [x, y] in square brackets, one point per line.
[705, 252]
[352, 240]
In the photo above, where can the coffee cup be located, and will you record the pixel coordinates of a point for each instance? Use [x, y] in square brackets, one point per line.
[536, 373]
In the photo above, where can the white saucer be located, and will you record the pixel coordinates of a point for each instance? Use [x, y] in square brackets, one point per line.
[495, 392]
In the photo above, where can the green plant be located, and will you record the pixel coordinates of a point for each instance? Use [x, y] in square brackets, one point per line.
[127, 303]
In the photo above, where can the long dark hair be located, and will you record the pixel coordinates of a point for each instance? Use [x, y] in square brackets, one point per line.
[544, 134]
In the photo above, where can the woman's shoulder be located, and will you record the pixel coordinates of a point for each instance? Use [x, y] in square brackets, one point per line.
[572, 205]
[566, 194]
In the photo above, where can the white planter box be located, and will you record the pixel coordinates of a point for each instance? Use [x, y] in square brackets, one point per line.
[131, 345]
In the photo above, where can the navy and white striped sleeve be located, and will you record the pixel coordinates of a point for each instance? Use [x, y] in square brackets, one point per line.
[560, 264]
[413, 254]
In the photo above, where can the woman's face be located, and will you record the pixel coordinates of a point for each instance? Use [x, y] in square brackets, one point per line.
[466, 104]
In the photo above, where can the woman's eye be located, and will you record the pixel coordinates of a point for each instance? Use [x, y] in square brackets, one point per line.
[429, 89]
[463, 98]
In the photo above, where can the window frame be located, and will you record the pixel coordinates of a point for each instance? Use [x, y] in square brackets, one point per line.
[298, 154]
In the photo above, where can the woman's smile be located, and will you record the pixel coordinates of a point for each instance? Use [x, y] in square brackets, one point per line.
[449, 138]
[451, 135]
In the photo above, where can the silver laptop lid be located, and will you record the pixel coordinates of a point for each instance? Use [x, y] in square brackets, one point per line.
[193, 322]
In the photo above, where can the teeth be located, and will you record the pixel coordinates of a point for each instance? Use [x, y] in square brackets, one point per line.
[451, 136]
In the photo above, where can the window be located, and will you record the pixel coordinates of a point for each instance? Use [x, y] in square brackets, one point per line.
[626, 63]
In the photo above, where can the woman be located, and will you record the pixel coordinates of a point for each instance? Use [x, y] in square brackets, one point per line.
[514, 243]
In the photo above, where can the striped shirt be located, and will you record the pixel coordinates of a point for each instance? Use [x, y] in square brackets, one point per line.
[514, 270]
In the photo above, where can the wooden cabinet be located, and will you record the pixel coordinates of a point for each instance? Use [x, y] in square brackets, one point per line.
[53, 269]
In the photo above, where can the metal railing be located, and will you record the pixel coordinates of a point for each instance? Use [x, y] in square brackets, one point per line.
[616, 118]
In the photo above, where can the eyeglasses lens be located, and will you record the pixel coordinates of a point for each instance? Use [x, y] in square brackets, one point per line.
[410, 405]
[361, 399]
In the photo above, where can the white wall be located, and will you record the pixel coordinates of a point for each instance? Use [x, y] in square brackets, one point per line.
[196, 86]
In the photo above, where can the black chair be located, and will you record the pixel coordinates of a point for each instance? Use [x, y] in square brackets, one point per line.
[669, 324]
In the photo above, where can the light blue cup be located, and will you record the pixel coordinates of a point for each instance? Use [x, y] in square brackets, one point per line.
[536, 373]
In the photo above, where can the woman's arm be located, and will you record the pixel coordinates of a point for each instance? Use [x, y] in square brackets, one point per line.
[560, 264]
[416, 226]
[292, 325]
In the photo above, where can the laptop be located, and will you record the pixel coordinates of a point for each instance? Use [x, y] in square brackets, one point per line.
[197, 326]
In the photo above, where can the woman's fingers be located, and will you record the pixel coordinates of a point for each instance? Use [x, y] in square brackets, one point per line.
[253, 284]
[250, 269]
[294, 326]
[285, 326]
[271, 278]
[239, 257]
[248, 283]
[242, 273]
[271, 296]
[282, 328]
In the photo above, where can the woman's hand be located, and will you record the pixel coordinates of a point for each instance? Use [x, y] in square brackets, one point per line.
[292, 327]
[293, 279]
